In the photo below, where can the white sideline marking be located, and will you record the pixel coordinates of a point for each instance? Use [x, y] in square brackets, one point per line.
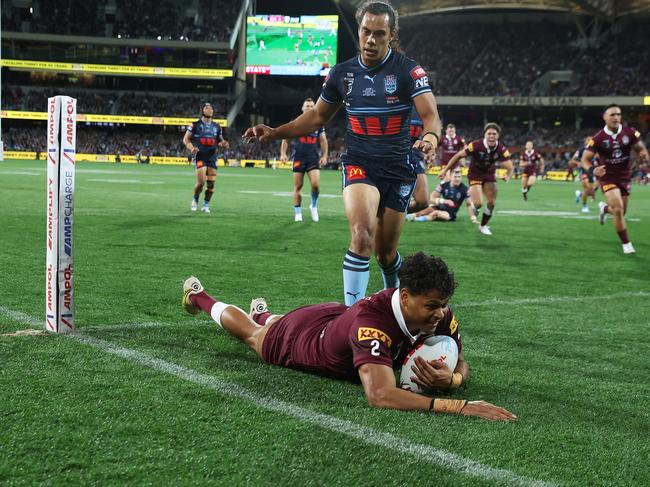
[284, 194]
[575, 215]
[148, 324]
[365, 434]
[23, 173]
[551, 299]
[125, 181]
[23, 318]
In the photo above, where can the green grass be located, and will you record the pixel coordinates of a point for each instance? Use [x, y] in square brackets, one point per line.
[571, 362]
[280, 47]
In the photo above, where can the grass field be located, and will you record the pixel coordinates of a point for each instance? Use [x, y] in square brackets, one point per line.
[553, 316]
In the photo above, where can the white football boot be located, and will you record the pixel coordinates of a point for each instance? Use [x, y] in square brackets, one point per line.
[297, 217]
[485, 230]
[191, 286]
[601, 212]
[205, 209]
[628, 248]
[314, 213]
[195, 205]
[258, 306]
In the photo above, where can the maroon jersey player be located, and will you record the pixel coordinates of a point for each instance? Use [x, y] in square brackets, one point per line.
[450, 144]
[484, 155]
[613, 144]
[531, 162]
[365, 342]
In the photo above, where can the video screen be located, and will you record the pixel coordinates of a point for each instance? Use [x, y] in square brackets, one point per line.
[281, 44]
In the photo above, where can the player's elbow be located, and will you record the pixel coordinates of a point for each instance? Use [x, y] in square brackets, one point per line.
[380, 398]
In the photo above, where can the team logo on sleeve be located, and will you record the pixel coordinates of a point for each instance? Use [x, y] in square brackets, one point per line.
[390, 84]
[637, 134]
[506, 153]
[418, 72]
[453, 326]
[373, 334]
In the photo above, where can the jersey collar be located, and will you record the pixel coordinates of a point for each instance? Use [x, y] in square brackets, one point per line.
[397, 312]
[383, 61]
[488, 148]
[613, 134]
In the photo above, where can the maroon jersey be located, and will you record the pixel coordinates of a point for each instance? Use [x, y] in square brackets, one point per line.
[530, 160]
[449, 146]
[333, 340]
[613, 150]
[482, 167]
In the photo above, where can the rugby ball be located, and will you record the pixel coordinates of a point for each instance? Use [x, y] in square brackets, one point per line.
[440, 348]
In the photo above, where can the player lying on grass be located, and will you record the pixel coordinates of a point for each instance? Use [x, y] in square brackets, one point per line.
[446, 200]
[365, 342]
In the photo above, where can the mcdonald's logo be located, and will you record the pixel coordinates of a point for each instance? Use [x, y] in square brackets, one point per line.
[354, 173]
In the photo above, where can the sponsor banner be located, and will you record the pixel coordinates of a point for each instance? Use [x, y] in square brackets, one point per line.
[117, 69]
[98, 118]
[52, 215]
[558, 176]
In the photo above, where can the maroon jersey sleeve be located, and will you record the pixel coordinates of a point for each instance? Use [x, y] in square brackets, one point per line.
[370, 342]
[635, 136]
[594, 143]
[449, 326]
[473, 147]
[504, 153]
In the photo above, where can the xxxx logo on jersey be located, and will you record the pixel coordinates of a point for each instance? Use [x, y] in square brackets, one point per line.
[373, 334]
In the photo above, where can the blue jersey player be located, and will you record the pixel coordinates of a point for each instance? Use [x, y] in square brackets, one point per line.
[378, 89]
[305, 159]
[202, 139]
[420, 199]
[587, 179]
[446, 200]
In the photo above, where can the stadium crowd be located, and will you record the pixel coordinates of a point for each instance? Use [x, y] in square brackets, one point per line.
[213, 20]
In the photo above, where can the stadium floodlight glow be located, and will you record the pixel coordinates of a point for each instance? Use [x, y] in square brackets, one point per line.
[61, 158]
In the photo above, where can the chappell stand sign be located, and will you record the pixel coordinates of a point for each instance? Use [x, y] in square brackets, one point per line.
[61, 156]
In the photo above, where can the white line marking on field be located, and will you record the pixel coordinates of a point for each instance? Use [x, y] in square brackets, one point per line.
[552, 299]
[23, 173]
[558, 214]
[148, 324]
[284, 194]
[125, 181]
[365, 434]
[23, 318]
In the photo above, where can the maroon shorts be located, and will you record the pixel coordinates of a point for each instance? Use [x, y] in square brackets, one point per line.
[479, 176]
[607, 184]
[530, 170]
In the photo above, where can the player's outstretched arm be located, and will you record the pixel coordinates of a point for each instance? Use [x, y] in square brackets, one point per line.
[426, 106]
[453, 162]
[382, 392]
[510, 167]
[187, 142]
[641, 151]
[306, 123]
[283, 150]
[470, 210]
[324, 148]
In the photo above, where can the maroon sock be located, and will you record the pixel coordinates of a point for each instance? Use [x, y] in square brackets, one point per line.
[485, 219]
[260, 318]
[203, 301]
[623, 236]
[606, 209]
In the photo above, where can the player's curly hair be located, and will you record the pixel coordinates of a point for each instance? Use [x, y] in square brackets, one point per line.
[492, 125]
[421, 273]
[381, 8]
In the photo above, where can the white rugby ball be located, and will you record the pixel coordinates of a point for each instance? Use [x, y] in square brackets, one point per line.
[440, 348]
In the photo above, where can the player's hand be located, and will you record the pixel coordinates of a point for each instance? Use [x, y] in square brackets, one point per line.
[449, 203]
[600, 171]
[506, 178]
[322, 161]
[224, 144]
[485, 410]
[194, 150]
[284, 158]
[261, 133]
[442, 174]
[431, 375]
[425, 147]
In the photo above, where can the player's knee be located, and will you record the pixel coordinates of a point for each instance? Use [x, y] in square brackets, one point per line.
[478, 206]
[315, 188]
[210, 185]
[362, 239]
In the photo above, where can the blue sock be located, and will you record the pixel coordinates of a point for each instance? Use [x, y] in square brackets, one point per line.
[421, 219]
[196, 198]
[356, 272]
[297, 210]
[314, 199]
[206, 203]
[389, 274]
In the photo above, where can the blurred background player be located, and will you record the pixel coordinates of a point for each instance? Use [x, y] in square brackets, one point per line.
[378, 179]
[420, 199]
[305, 159]
[446, 200]
[613, 145]
[450, 144]
[531, 163]
[587, 179]
[364, 343]
[484, 155]
[202, 139]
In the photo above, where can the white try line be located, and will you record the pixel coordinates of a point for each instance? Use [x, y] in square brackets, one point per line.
[552, 299]
[425, 453]
[557, 214]
[285, 194]
[124, 181]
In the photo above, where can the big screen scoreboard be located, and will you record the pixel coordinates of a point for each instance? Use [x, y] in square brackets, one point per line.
[285, 45]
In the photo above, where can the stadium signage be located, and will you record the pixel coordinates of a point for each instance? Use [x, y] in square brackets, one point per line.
[538, 101]
[97, 118]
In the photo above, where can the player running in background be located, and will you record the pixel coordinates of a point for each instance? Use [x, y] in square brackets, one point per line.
[484, 155]
[587, 178]
[446, 201]
[305, 159]
[613, 145]
[531, 162]
[365, 343]
[420, 199]
[450, 144]
[202, 139]
[378, 89]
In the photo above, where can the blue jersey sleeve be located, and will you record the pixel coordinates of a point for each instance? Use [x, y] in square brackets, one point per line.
[331, 92]
[416, 78]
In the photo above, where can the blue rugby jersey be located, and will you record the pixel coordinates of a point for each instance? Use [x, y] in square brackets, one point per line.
[416, 127]
[378, 104]
[305, 148]
[457, 194]
[205, 137]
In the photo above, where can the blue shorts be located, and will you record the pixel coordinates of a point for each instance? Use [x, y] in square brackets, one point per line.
[417, 161]
[587, 174]
[305, 165]
[393, 193]
[199, 163]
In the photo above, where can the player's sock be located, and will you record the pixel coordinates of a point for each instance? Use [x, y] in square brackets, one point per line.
[421, 219]
[260, 318]
[196, 198]
[623, 236]
[487, 214]
[389, 274]
[297, 209]
[203, 301]
[356, 273]
[606, 209]
[197, 193]
[314, 199]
